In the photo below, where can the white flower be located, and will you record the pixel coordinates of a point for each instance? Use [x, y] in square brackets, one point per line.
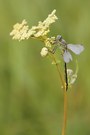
[73, 79]
[22, 31]
[71, 76]
[44, 52]
[69, 72]
[43, 27]
[50, 19]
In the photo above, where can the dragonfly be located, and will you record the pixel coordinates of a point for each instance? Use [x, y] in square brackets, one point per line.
[65, 48]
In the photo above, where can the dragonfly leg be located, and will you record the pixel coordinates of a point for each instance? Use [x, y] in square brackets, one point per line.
[53, 50]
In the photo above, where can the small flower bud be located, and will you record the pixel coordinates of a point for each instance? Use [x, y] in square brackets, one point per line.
[73, 79]
[69, 72]
[71, 76]
[44, 52]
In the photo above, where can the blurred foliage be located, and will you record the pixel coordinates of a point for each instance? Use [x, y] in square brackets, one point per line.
[31, 100]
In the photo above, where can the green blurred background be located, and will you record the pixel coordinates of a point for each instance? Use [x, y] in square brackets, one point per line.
[31, 100]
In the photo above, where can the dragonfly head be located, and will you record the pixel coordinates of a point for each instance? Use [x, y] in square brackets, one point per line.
[59, 38]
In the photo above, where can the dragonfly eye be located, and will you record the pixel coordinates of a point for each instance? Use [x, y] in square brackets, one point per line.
[59, 37]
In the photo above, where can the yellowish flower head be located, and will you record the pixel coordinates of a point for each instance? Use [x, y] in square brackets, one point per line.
[22, 31]
[49, 41]
[19, 31]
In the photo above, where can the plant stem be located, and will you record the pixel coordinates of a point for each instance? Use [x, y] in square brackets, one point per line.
[65, 96]
[59, 72]
[65, 113]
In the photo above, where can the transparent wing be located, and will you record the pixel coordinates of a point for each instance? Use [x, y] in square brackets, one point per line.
[77, 49]
[67, 56]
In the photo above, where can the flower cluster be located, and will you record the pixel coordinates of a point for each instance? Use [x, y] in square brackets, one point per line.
[22, 31]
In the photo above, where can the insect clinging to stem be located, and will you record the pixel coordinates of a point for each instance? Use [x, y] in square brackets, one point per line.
[67, 57]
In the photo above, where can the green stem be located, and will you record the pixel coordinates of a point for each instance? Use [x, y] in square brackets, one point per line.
[65, 96]
[65, 113]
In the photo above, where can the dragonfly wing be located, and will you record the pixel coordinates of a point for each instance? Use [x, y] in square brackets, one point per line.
[67, 56]
[77, 49]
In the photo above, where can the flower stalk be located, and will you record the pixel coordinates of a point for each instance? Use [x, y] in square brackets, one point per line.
[65, 95]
